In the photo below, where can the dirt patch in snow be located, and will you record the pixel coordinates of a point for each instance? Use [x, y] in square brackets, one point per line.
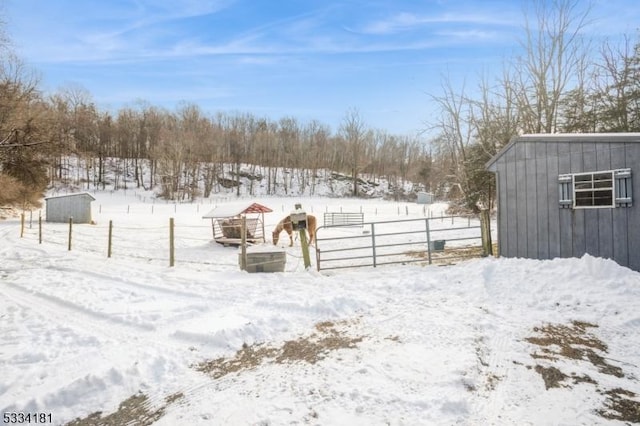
[135, 410]
[326, 338]
[311, 349]
[573, 341]
[620, 406]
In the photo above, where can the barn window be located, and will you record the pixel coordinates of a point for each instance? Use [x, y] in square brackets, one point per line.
[593, 190]
[603, 189]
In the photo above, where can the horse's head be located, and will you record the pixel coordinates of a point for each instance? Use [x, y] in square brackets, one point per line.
[276, 236]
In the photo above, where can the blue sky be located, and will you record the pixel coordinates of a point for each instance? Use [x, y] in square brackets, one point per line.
[308, 59]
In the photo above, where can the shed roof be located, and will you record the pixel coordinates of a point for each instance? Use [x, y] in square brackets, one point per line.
[564, 137]
[76, 194]
[231, 210]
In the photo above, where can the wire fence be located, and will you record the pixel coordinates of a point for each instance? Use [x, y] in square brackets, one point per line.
[166, 244]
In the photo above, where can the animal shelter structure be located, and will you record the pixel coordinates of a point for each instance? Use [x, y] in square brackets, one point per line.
[226, 223]
[424, 198]
[62, 207]
[565, 195]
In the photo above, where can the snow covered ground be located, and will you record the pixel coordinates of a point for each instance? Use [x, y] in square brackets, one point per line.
[487, 341]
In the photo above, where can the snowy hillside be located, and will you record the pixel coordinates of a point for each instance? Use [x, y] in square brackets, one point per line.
[79, 174]
[128, 339]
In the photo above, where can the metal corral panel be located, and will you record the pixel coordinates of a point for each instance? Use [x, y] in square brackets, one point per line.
[531, 222]
[61, 208]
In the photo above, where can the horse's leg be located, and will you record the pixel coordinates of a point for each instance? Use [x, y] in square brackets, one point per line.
[290, 238]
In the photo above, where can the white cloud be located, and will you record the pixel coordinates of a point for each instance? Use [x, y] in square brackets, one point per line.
[408, 21]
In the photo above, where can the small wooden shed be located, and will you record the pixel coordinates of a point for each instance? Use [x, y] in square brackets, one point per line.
[565, 195]
[424, 198]
[226, 223]
[77, 206]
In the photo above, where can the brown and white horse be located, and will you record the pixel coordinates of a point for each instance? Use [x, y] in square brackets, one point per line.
[286, 225]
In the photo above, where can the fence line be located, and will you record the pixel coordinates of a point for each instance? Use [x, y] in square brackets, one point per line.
[59, 235]
[113, 242]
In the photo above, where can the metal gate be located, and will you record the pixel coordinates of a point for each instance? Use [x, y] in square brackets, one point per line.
[427, 241]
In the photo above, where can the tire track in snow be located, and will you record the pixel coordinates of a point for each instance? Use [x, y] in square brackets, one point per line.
[97, 324]
[123, 352]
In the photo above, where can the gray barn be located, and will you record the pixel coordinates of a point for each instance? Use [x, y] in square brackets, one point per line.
[567, 195]
[78, 206]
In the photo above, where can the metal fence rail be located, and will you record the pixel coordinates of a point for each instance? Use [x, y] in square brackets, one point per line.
[426, 240]
[338, 219]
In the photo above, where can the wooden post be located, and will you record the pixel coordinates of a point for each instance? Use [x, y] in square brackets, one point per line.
[22, 225]
[40, 228]
[110, 237]
[305, 249]
[171, 243]
[30, 219]
[243, 243]
[303, 240]
[70, 231]
[485, 231]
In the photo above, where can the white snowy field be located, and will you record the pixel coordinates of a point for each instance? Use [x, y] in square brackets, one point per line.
[486, 341]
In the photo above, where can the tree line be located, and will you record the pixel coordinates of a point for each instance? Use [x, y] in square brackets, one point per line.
[185, 153]
[555, 83]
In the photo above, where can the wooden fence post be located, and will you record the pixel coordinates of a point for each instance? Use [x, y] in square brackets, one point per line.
[171, 243]
[305, 249]
[70, 231]
[22, 225]
[40, 228]
[243, 243]
[110, 236]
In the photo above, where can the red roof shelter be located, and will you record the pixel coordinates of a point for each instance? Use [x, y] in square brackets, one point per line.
[226, 223]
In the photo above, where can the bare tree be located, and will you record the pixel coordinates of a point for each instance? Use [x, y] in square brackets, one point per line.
[455, 134]
[355, 134]
[554, 54]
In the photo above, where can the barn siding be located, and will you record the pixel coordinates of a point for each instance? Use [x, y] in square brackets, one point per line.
[521, 200]
[542, 212]
[619, 216]
[551, 202]
[531, 206]
[511, 202]
[531, 224]
[566, 215]
[577, 229]
[633, 219]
